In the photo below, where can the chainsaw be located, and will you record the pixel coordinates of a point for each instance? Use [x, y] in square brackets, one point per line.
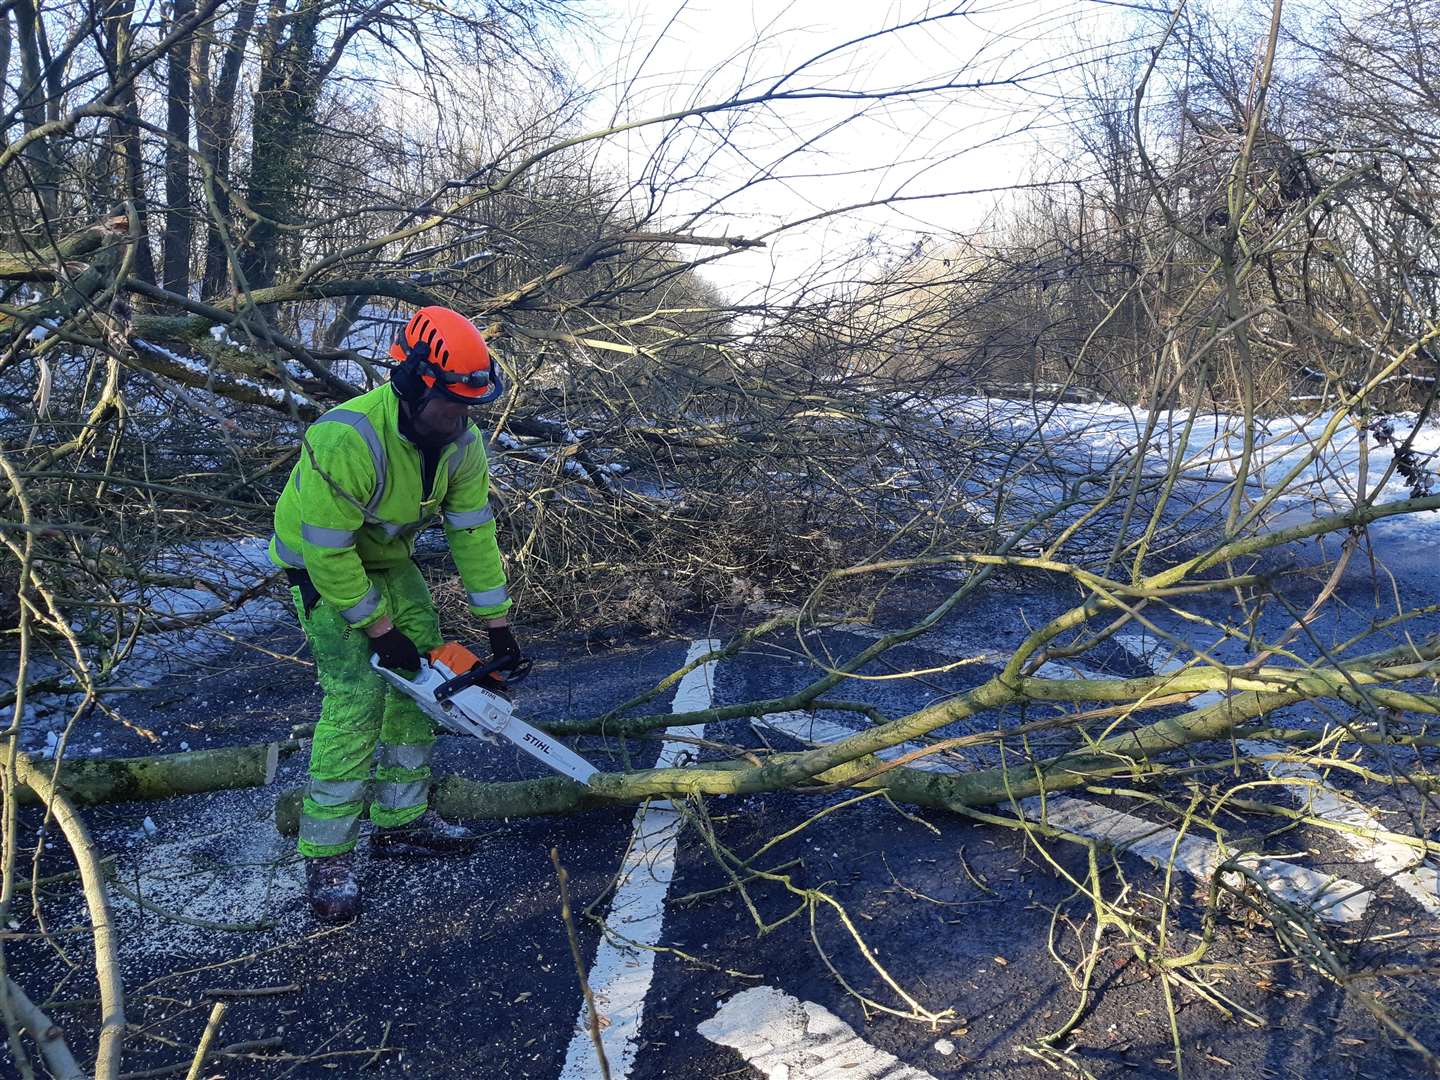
[470, 698]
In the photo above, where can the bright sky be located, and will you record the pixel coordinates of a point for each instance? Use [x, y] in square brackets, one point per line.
[1001, 63]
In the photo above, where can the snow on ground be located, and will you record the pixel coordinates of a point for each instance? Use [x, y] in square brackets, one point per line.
[1303, 465]
[1330, 469]
[220, 570]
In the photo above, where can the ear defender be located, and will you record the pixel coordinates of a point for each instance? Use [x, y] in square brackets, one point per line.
[406, 375]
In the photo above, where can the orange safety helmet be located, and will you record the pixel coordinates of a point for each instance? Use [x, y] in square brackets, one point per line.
[457, 364]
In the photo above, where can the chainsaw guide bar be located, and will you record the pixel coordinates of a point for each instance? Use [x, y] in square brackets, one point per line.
[467, 697]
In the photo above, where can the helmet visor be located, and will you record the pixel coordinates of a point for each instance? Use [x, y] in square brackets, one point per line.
[469, 387]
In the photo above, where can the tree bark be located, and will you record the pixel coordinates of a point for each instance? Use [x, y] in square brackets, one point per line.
[162, 776]
[5, 46]
[1126, 753]
[176, 243]
[214, 136]
[32, 102]
[283, 114]
[129, 164]
[87, 280]
[42, 263]
[47, 1035]
[107, 967]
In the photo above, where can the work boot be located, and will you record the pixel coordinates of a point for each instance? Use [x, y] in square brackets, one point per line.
[334, 892]
[427, 835]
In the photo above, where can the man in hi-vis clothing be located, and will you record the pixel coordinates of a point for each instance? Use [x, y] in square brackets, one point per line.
[371, 474]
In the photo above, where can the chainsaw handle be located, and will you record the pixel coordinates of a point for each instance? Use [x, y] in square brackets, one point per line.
[483, 673]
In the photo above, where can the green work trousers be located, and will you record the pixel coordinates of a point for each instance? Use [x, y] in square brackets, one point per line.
[362, 711]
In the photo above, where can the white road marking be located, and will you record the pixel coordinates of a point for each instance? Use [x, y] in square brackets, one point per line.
[1419, 878]
[625, 961]
[1331, 898]
[789, 1039]
[1140, 647]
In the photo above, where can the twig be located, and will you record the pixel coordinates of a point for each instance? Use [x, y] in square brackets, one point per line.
[592, 1018]
[106, 864]
[247, 992]
[202, 1052]
[233, 1050]
[379, 1050]
[190, 920]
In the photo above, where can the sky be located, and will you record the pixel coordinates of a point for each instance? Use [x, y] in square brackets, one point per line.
[999, 69]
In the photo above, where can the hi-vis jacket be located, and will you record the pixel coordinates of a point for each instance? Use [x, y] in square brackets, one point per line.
[353, 503]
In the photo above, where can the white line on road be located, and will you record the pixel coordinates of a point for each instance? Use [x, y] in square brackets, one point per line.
[625, 961]
[1332, 898]
[1308, 788]
[1395, 860]
[789, 1039]
[1141, 647]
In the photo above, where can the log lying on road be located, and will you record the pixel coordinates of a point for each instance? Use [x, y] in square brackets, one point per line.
[162, 776]
[852, 762]
[462, 799]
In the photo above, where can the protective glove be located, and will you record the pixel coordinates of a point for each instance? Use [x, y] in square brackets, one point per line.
[397, 652]
[504, 647]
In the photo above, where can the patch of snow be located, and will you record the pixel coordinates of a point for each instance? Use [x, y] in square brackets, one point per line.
[219, 569]
[41, 331]
[1327, 480]
[272, 393]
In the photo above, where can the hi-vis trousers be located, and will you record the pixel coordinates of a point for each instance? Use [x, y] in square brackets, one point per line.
[360, 712]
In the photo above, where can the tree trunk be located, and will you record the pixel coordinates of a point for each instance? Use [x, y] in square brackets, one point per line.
[176, 244]
[102, 264]
[165, 775]
[5, 47]
[39, 263]
[32, 103]
[214, 135]
[127, 162]
[134, 187]
[282, 123]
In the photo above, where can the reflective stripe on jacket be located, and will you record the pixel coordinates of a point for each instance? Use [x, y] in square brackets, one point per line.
[353, 501]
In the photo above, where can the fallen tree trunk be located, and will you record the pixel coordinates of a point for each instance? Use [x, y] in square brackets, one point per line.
[456, 797]
[46, 262]
[471, 800]
[139, 779]
[165, 776]
[1131, 753]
